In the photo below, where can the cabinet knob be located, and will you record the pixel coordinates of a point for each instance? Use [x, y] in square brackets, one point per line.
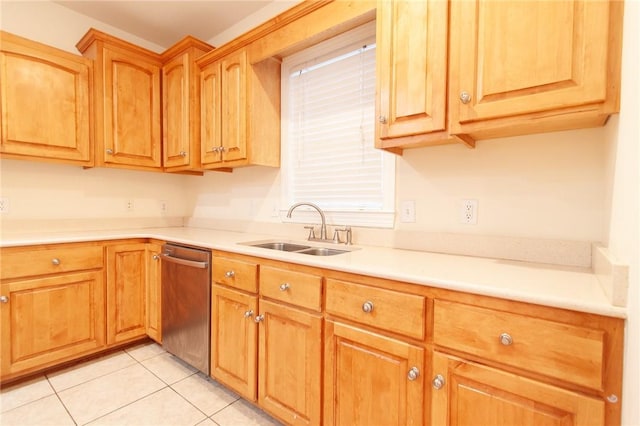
[284, 286]
[506, 339]
[109, 151]
[230, 274]
[183, 154]
[4, 299]
[259, 318]
[248, 314]
[438, 382]
[465, 97]
[222, 149]
[367, 307]
[413, 373]
[382, 119]
[55, 261]
[155, 257]
[215, 149]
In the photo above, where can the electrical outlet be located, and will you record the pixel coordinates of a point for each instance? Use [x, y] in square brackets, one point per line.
[4, 205]
[129, 205]
[164, 207]
[469, 212]
[408, 211]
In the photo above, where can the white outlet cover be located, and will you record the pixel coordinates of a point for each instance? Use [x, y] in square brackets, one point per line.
[408, 211]
[469, 212]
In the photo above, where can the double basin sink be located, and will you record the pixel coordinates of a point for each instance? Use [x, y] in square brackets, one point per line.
[297, 248]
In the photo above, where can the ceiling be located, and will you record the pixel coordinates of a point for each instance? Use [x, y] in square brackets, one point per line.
[166, 22]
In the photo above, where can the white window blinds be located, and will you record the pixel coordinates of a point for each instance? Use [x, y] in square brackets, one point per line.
[328, 132]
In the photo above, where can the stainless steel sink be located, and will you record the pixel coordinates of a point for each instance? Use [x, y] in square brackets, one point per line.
[321, 251]
[298, 248]
[282, 246]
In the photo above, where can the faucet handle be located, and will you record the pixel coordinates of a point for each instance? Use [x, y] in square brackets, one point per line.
[347, 230]
[312, 232]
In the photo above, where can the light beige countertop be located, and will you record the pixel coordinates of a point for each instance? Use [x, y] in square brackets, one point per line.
[557, 286]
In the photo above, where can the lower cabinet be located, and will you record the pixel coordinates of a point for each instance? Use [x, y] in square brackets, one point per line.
[290, 362]
[234, 339]
[154, 292]
[465, 393]
[50, 320]
[370, 379]
[126, 267]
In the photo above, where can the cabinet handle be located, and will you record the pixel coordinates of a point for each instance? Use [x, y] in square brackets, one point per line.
[284, 286]
[222, 149]
[506, 339]
[382, 119]
[248, 314]
[215, 149]
[367, 307]
[438, 382]
[4, 299]
[465, 97]
[413, 373]
[109, 151]
[155, 257]
[230, 274]
[259, 318]
[183, 154]
[55, 261]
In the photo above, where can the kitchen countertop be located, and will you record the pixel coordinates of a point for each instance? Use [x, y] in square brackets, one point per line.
[550, 285]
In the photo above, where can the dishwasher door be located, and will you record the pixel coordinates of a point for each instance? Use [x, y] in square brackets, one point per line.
[186, 304]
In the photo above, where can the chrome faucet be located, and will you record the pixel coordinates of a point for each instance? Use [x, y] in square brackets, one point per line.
[323, 227]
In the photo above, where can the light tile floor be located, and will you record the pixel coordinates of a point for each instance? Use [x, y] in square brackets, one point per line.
[139, 386]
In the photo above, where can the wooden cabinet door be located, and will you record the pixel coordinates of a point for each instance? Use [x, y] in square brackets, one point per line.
[49, 320]
[234, 340]
[45, 95]
[412, 69]
[233, 70]
[126, 298]
[154, 292]
[290, 363]
[473, 394]
[514, 58]
[132, 130]
[176, 118]
[367, 378]
[211, 116]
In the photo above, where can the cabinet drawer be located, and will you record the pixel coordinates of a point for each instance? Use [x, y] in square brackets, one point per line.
[562, 351]
[297, 288]
[50, 260]
[386, 309]
[235, 273]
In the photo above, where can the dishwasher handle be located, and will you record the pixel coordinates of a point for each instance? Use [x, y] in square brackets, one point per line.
[185, 262]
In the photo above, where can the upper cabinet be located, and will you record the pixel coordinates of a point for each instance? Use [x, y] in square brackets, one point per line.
[526, 67]
[128, 102]
[411, 48]
[181, 105]
[46, 102]
[514, 68]
[240, 111]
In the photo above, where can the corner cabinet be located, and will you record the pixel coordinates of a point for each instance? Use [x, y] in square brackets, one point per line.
[181, 105]
[127, 102]
[531, 67]
[240, 111]
[46, 103]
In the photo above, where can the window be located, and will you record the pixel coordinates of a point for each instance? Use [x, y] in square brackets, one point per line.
[328, 112]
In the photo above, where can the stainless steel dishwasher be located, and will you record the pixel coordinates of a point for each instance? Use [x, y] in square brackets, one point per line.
[186, 304]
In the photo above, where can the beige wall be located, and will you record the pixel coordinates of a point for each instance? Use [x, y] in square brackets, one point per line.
[623, 203]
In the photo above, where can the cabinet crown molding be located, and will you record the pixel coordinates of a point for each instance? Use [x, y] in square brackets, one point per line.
[92, 36]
